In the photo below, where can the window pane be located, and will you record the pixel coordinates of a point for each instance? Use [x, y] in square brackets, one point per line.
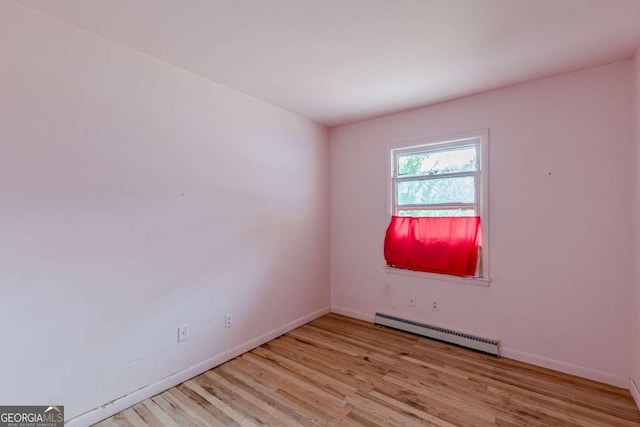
[462, 159]
[438, 212]
[444, 190]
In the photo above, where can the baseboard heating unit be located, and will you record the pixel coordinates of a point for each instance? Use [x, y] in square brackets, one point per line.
[460, 339]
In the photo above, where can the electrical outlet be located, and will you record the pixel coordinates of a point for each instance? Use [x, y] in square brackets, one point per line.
[435, 306]
[183, 333]
[227, 320]
[412, 300]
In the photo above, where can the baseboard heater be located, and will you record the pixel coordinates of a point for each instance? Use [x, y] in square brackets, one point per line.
[460, 339]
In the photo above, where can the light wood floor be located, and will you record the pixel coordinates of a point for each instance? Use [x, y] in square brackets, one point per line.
[343, 372]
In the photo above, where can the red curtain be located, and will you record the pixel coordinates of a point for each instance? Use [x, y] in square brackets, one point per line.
[447, 245]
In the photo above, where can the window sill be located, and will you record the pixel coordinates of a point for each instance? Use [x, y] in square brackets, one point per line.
[476, 281]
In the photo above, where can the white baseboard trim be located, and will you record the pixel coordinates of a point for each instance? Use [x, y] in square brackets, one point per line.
[124, 402]
[353, 314]
[568, 368]
[635, 391]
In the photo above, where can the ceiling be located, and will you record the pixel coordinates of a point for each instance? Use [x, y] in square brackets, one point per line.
[338, 61]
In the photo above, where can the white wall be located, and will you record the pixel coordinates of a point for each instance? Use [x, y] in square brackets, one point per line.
[635, 353]
[136, 197]
[560, 177]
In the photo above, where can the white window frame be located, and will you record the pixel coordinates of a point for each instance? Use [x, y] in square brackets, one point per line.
[479, 137]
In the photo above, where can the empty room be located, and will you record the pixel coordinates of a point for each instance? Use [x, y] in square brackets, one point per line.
[319, 213]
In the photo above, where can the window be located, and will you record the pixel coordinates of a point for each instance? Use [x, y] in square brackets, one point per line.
[444, 177]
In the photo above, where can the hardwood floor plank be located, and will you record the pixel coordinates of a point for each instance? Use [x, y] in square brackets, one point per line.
[133, 418]
[176, 413]
[193, 410]
[537, 380]
[475, 395]
[290, 378]
[147, 416]
[121, 420]
[381, 413]
[429, 418]
[337, 371]
[307, 396]
[357, 372]
[455, 402]
[109, 422]
[296, 408]
[215, 406]
[248, 393]
[234, 400]
[163, 418]
[313, 376]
